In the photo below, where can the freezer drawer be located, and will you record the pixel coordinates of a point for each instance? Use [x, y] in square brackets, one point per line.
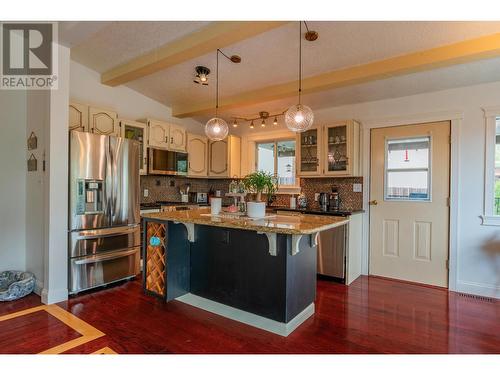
[92, 271]
[94, 241]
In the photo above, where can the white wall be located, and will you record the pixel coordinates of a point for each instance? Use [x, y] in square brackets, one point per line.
[12, 180]
[55, 285]
[38, 105]
[478, 248]
[86, 87]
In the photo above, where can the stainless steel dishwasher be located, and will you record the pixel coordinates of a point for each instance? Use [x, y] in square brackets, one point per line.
[332, 245]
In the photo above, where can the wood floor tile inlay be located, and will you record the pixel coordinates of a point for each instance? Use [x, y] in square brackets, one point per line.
[34, 333]
[45, 330]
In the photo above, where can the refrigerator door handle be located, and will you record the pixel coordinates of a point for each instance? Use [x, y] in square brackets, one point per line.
[100, 258]
[108, 232]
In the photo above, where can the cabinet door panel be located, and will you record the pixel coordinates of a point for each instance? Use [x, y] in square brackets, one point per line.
[138, 132]
[103, 122]
[197, 147]
[158, 134]
[177, 138]
[218, 158]
[341, 149]
[309, 153]
[78, 117]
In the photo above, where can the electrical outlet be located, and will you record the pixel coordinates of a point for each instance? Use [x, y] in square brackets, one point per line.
[146, 193]
[172, 183]
[357, 188]
[316, 197]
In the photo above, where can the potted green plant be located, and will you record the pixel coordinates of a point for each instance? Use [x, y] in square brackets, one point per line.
[259, 182]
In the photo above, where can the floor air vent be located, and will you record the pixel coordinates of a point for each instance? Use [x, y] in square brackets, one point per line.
[477, 298]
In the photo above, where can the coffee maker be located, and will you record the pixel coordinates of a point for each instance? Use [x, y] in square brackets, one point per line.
[334, 201]
[324, 201]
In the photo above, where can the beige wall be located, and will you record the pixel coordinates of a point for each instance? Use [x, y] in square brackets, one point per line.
[13, 180]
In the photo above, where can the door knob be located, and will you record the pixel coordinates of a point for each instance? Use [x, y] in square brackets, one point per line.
[373, 202]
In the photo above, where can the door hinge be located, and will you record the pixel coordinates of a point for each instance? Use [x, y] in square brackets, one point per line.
[447, 264]
[448, 201]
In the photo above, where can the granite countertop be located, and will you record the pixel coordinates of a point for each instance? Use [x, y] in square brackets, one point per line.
[299, 224]
[317, 211]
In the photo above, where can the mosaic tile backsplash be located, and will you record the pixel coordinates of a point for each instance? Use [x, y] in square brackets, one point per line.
[160, 189]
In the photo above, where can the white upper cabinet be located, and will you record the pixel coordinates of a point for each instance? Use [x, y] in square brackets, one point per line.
[103, 122]
[137, 131]
[178, 138]
[341, 149]
[167, 136]
[197, 148]
[224, 157]
[309, 161]
[158, 134]
[329, 150]
[78, 117]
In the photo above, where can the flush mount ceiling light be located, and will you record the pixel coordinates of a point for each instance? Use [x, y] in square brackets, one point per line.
[201, 77]
[299, 117]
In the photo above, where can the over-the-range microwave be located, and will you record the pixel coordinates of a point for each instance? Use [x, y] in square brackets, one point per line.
[167, 162]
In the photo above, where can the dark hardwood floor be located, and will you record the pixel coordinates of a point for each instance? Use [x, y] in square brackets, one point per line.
[373, 315]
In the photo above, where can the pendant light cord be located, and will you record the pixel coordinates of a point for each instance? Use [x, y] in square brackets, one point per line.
[300, 60]
[217, 84]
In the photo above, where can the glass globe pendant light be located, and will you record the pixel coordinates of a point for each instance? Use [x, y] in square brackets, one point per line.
[299, 117]
[216, 129]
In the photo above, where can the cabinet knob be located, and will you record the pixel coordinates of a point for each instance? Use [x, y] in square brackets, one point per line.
[373, 202]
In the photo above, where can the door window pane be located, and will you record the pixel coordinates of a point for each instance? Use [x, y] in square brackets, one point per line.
[407, 175]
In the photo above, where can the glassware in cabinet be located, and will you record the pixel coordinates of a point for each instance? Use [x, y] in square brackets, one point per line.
[309, 153]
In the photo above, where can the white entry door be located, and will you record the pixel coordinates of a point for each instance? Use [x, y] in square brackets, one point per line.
[409, 202]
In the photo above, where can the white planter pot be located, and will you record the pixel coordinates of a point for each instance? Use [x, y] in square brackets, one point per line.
[256, 209]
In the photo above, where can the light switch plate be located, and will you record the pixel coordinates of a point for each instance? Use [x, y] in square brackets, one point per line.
[357, 188]
[146, 193]
[316, 197]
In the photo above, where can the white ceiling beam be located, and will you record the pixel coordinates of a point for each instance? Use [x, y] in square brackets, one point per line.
[452, 54]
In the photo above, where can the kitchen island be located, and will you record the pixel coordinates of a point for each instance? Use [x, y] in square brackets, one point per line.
[260, 272]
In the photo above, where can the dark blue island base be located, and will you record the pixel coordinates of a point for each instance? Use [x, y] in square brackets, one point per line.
[234, 273]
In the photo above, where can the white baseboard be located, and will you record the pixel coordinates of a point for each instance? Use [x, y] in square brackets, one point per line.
[279, 328]
[50, 296]
[38, 287]
[479, 289]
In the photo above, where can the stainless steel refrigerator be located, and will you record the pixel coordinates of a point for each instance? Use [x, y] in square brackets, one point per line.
[104, 230]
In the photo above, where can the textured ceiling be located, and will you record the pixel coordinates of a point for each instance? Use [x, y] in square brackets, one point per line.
[417, 83]
[272, 57]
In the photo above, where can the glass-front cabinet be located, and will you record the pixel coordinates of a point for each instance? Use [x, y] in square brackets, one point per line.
[341, 149]
[137, 131]
[309, 153]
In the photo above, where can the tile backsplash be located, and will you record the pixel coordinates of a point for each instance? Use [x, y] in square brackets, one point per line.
[160, 189]
[349, 200]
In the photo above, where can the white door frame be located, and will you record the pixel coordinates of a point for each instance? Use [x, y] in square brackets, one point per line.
[455, 119]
